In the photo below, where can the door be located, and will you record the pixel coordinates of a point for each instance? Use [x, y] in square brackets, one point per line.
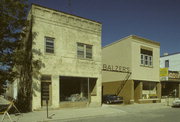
[46, 94]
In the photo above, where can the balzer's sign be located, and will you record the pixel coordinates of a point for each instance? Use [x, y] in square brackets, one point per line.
[115, 68]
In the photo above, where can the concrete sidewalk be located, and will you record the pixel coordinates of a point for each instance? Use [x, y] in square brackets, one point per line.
[66, 114]
[69, 114]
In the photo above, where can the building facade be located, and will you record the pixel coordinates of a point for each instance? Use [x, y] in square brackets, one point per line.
[170, 74]
[131, 69]
[70, 50]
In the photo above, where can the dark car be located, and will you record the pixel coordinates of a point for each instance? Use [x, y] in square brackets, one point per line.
[108, 99]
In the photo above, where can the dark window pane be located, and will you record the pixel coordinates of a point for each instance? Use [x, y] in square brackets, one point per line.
[167, 63]
[49, 45]
[147, 52]
[88, 51]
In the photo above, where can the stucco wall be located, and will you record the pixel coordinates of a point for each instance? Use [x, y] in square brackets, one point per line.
[116, 54]
[174, 61]
[67, 31]
[143, 72]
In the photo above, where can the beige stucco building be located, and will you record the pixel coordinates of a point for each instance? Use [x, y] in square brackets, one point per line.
[131, 69]
[70, 50]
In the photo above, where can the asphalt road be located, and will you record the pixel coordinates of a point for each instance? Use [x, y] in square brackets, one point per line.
[138, 114]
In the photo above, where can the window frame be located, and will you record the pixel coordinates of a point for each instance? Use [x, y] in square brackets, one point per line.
[51, 40]
[85, 51]
[166, 63]
[146, 58]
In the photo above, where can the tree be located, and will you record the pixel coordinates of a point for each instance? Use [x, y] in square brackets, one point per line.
[13, 24]
[13, 15]
[16, 54]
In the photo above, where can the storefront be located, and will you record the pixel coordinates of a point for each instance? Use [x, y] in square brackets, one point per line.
[75, 90]
[171, 84]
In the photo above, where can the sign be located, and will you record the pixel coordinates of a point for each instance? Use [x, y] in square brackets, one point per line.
[115, 68]
[174, 75]
[163, 72]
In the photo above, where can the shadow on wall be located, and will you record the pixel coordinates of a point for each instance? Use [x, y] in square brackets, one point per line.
[29, 72]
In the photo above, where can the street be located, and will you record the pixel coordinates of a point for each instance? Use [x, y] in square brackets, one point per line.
[139, 114]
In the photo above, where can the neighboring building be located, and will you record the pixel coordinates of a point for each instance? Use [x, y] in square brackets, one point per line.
[70, 50]
[131, 69]
[170, 74]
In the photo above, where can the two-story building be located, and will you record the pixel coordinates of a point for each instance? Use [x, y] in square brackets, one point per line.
[70, 50]
[131, 69]
[170, 74]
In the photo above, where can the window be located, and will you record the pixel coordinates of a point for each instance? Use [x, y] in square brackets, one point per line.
[49, 42]
[84, 51]
[146, 57]
[149, 90]
[167, 63]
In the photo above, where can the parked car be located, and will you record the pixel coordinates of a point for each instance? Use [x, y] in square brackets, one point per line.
[108, 99]
[176, 103]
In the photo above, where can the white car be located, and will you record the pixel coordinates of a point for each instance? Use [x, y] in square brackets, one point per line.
[176, 103]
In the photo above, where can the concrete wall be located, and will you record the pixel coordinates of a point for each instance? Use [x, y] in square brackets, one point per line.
[66, 30]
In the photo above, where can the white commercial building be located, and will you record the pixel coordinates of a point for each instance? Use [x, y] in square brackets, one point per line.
[170, 74]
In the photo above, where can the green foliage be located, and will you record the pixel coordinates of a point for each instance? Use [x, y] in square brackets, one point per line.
[13, 20]
[16, 53]
[15, 57]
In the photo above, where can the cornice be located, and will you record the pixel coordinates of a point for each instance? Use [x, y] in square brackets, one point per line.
[66, 19]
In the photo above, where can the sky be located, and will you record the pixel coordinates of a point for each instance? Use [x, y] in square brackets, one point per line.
[157, 20]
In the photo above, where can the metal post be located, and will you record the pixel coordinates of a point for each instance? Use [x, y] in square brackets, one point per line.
[47, 107]
[88, 93]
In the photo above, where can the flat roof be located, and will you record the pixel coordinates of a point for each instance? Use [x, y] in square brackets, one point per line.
[170, 54]
[64, 12]
[135, 37]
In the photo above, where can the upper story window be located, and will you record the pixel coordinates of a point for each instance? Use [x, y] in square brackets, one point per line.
[84, 51]
[146, 57]
[49, 45]
[166, 63]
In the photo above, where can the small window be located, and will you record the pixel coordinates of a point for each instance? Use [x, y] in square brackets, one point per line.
[49, 42]
[146, 57]
[167, 63]
[84, 51]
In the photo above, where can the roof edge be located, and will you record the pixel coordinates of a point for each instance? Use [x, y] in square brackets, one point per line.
[170, 54]
[135, 37]
[63, 12]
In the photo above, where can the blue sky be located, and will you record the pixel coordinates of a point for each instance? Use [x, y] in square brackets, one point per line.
[157, 20]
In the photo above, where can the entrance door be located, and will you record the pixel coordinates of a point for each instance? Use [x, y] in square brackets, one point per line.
[46, 93]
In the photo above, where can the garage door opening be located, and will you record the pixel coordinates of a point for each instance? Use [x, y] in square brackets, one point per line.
[77, 89]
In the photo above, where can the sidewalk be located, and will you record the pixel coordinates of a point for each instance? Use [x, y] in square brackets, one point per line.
[69, 114]
[66, 114]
